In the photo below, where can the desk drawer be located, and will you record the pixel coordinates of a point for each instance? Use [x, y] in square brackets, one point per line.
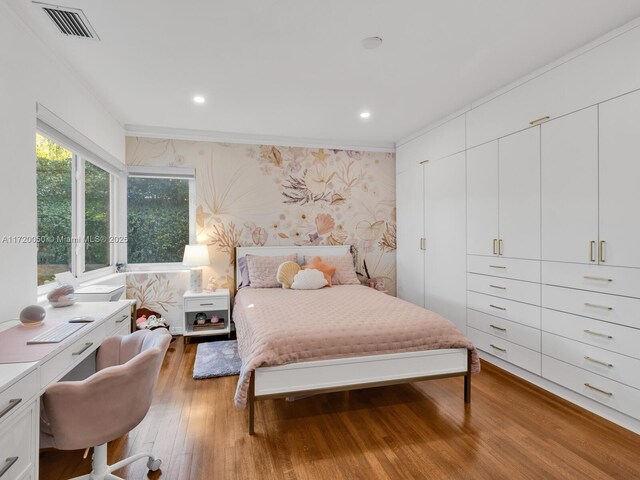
[595, 278]
[517, 269]
[605, 335]
[116, 321]
[17, 395]
[508, 309]
[517, 290]
[612, 365]
[504, 329]
[611, 308]
[507, 351]
[65, 360]
[18, 445]
[609, 392]
[205, 304]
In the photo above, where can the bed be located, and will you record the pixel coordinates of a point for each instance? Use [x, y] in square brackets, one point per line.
[302, 342]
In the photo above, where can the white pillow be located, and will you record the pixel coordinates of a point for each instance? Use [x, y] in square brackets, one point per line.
[309, 279]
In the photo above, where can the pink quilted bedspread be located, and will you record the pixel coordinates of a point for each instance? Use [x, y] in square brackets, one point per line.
[276, 326]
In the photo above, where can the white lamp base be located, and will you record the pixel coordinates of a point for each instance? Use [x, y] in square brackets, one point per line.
[196, 280]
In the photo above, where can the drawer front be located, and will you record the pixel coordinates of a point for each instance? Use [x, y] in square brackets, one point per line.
[500, 328]
[528, 270]
[508, 309]
[18, 445]
[605, 335]
[116, 321]
[204, 304]
[125, 329]
[612, 365]
[517, 290]
[596, 278]
[611, 393]
[611, 308]
[17, 395]
[57, 366]
[510, 352]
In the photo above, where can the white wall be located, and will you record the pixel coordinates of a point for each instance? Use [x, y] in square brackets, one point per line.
[29, 74]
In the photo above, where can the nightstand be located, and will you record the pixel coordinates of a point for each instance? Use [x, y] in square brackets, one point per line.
[208, 303]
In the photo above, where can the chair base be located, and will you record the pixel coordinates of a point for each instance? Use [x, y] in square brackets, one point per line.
[102, 471]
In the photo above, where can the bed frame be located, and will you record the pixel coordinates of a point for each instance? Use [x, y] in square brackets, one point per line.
[325, 376]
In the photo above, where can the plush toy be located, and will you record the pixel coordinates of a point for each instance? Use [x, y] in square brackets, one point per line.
[327, 270]
[151, 323]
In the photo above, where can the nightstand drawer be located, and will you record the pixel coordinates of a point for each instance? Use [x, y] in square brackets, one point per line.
[204, 304]
[17, 395]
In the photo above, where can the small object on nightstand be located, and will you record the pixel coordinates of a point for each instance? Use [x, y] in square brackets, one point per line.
[195, 257]
[212, 285]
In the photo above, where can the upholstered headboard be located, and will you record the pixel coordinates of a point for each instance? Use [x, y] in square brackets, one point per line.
[309, 250]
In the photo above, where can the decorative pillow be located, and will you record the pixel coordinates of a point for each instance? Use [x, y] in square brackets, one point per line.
[309, 279]
[244, 272]
[286, 272]
[345, 269]
[318, 264]
[263, 270]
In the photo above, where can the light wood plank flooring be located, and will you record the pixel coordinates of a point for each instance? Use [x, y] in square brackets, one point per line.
[511, 430]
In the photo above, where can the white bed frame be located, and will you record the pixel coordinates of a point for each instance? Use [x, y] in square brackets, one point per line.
[324, 376]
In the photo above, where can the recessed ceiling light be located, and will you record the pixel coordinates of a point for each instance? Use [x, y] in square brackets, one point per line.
[198, 99]
[365, 115]
[371, 42]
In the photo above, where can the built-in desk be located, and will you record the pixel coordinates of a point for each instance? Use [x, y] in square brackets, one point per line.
[23, 382]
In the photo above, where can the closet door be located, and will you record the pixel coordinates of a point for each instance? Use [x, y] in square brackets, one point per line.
[620, 181]
[410, 229]
[570, 187]
[519, 181]
[445, 225]
[482, 199]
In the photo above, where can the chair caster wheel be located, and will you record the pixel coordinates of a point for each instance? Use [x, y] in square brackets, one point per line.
[154, 465]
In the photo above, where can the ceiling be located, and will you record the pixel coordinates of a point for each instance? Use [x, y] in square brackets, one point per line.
[296, 68]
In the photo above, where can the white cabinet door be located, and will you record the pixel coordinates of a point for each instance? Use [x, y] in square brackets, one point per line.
[410, 229]
[619, 181]
[445, 225]
[570, 187]
[482, 199]
[519, 187]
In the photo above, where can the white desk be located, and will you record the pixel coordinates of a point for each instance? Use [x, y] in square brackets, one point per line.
[22, 384]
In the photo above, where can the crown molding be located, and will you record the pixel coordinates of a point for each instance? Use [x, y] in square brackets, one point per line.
[250, 139]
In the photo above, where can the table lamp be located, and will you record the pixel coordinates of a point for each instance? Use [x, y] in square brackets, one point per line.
[195, 257]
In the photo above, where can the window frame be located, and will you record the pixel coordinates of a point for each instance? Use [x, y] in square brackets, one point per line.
[80, 156]
[169, 173]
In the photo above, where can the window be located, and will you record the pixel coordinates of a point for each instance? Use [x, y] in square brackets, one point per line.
[74, 212]
[159, 217]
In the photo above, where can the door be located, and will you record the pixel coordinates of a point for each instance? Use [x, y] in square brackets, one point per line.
[445, 225]
[410, 231]
[620, 181]
[570, 187]
[519, 194]
[482, 199]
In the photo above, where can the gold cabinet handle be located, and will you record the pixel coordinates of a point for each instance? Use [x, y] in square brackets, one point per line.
[599, 279]
[498, 287]
[498, 348]
[602, 259]
[599, 362]
[595, 305]
[495, 246]
[539, 120]
[497, 266]
[588, 385]
[598, 334]
[496, 306]
[498, 328]
[83, 349]
[124, 317]
[500, 247]
[423, 244]
[592, 251]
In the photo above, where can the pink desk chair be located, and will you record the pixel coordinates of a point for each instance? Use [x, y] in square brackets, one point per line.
[109, 404]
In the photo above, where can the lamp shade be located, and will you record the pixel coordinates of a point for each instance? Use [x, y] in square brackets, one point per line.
[196, 256]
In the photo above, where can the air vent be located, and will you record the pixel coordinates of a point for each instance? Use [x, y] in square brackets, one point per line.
[71, 22]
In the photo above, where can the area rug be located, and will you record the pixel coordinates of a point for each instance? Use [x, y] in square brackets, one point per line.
[217, 359]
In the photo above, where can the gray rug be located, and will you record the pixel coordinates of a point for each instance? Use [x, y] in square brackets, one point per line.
[217, 359]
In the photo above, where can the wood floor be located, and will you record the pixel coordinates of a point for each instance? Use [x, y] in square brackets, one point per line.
[511, 430]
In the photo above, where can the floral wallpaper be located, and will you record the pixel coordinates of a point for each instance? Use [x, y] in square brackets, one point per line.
[159, 292]
[250, 195]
